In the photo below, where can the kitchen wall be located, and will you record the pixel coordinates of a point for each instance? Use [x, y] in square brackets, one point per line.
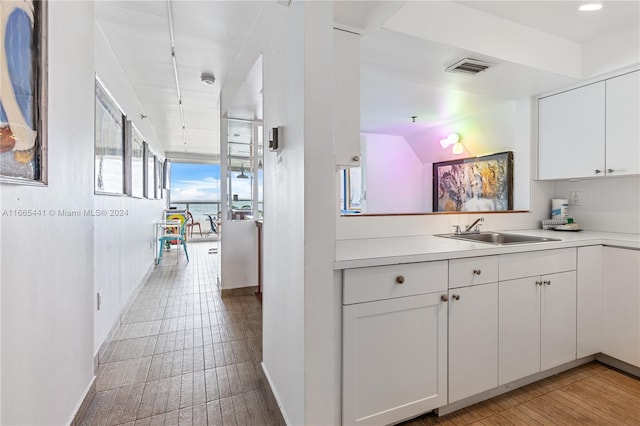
[301, 311]
[609, 204]
[123, 250]
[46, 268]
[394, 181]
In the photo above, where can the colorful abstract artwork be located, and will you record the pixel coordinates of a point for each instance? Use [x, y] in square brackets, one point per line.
[23, 92]
[476, 184]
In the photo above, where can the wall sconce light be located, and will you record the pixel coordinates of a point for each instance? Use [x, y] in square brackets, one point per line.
[452, 139]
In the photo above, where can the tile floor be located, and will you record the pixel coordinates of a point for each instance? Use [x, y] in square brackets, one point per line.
[184, 355]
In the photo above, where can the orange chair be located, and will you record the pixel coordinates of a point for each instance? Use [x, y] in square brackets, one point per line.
[191, 223]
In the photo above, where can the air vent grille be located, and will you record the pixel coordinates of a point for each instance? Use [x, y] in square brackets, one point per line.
[469, 66]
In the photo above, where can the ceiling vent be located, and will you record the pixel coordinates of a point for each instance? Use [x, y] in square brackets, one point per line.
[469, 66]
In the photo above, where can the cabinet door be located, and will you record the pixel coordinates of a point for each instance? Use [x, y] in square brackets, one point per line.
[558, 320]
[623, 126]
[589, 301]
[473, 340]
[394, 359]
[346, 104]
[519, 329]
[621, 305]
[571, 133]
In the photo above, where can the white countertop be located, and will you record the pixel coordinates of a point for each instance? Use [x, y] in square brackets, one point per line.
[395, 250]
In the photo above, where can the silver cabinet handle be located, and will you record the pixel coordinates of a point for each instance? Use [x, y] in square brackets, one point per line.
[356, 158]
[400, 279]
[444, 298]
[610, 170]
[456, 297]
[598, 171]
[477, 272]
[546, 282]
[538, 282]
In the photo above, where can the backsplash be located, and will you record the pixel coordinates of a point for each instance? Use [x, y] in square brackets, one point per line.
[610, 204]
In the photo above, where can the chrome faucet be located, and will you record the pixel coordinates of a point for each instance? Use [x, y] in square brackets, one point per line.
[476, 223]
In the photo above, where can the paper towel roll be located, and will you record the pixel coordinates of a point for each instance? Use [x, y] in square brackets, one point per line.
[559, 208]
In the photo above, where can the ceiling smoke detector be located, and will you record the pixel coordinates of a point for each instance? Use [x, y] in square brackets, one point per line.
[207, 78]
[469, 66]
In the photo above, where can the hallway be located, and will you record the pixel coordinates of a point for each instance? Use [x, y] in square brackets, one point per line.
[184, 355]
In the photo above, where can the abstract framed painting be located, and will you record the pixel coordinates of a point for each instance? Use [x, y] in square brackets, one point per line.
[23, 92]
[477, 184]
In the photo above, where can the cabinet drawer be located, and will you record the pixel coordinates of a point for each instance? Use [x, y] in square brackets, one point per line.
[529, 264]
[387, 282]
[473, 271]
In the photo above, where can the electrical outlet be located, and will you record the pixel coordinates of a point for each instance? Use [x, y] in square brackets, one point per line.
[575, 198]
[99, 300]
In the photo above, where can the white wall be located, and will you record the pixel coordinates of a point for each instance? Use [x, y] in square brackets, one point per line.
[301, 314]
[279, 35]
[504, 127]
[47, 262]
[322, 295]
[123, 252]
[614, 51]
[609, 204]
[394, 175]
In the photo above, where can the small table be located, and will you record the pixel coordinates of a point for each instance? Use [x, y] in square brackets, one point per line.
[162, 225]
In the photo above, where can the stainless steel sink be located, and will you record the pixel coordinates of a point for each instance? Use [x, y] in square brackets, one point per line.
[498, 238]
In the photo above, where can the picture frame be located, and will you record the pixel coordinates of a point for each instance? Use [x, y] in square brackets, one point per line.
[149, 173]
[23, 113]
[158, 179]
[474, 184]
[134, 152]
[109, 144]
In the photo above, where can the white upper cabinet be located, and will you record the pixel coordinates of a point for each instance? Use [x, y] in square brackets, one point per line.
[571, 132]
[591, 131]
[623, 125]
[346, 103]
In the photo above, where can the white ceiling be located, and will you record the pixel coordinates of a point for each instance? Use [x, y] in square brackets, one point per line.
[401, 75]
[562, 18]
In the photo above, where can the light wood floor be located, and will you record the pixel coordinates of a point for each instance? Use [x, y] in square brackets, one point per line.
[592, 394]
[184, 355]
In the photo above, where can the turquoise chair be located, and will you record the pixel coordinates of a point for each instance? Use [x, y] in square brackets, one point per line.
[175, 239]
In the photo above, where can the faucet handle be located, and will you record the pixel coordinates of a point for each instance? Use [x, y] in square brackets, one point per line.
[456, 229]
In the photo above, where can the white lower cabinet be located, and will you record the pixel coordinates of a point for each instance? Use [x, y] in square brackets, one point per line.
[473, 340]
[394, 358]
[621, 305]
[589, 303]
[537, 324]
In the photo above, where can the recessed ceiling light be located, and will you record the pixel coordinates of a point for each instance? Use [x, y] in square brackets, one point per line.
[590, 6]
[208, 78]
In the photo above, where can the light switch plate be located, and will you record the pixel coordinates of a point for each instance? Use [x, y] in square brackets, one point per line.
[575, 198]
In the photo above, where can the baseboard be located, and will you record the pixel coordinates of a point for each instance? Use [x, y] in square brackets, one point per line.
[273, 395]
[619, 365]
[83, 406]
[97, 359]
[239, 291]
[492, 393]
